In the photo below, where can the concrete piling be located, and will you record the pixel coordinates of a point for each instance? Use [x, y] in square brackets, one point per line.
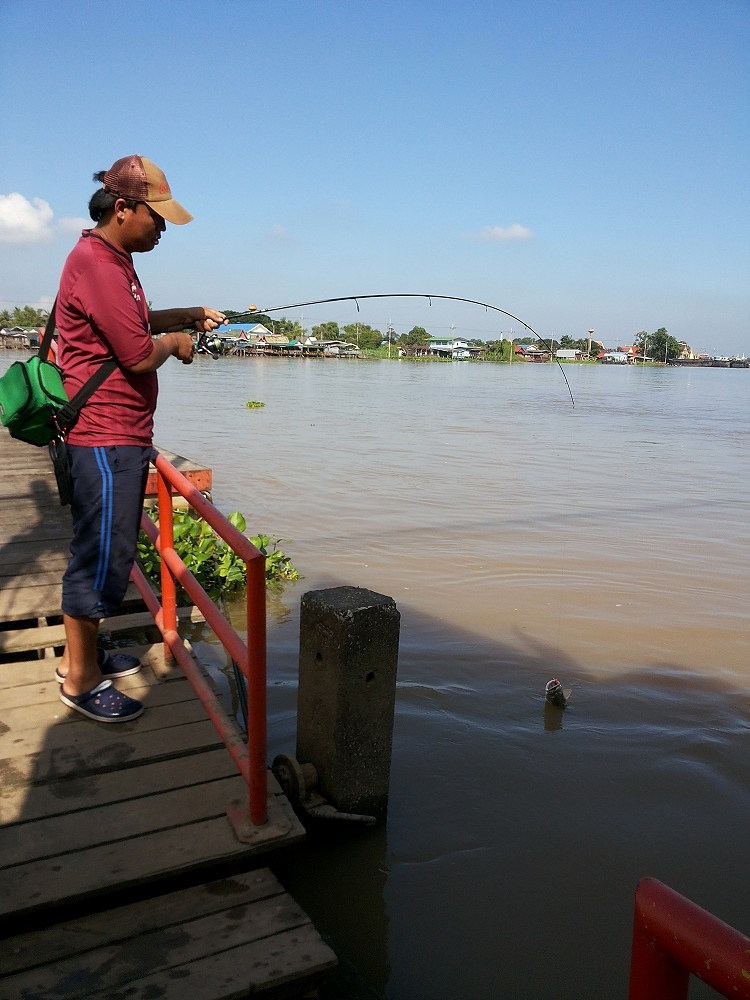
[347, 692]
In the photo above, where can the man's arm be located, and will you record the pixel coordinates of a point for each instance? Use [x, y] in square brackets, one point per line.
[201, 318]
[175, 343]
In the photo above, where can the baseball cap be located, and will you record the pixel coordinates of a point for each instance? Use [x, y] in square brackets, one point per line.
[136, 177]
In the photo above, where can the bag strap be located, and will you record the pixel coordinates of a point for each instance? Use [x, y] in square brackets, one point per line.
[48, 331]
[65, 416]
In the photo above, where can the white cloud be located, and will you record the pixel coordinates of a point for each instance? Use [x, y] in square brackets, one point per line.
[502, 234]
[24, 221]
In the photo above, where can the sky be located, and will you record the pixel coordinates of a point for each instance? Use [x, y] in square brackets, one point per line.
[580, 164]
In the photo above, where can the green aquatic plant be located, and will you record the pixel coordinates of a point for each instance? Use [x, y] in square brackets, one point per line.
[253, 404]
[214, 563]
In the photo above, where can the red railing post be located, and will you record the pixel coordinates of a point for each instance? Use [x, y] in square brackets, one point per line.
[255, 674]
[653, 973]
[673, 937]
[166, 534]
[250, 656]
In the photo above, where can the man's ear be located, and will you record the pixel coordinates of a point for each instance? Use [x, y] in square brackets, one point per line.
[120, 207]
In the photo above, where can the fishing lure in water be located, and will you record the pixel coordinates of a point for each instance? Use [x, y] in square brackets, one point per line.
[356, 299]
[555, 694]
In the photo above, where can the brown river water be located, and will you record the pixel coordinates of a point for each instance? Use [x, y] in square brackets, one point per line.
[522, 538]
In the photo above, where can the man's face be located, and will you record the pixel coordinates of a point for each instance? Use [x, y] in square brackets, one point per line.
[141, 229]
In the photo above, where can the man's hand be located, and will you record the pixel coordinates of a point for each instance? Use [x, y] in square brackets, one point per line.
[170, 345]
[210, 320]
[184, 347]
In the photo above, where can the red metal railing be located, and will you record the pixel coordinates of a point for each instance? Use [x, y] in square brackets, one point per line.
[250, 657]
[673, 937]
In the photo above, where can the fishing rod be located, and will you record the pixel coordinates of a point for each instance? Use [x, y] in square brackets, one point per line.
[356, 299]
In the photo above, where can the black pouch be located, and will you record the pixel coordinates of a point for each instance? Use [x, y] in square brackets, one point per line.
[58, 452]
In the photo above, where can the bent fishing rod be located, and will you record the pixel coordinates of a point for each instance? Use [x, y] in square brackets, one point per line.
[356, 299]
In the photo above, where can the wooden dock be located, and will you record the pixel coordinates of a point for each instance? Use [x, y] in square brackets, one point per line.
[120, 873]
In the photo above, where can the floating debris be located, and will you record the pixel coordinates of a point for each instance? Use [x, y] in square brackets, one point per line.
[254, 404]
[555, 695]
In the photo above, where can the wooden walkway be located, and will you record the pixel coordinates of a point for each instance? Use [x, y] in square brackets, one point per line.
[109, 834]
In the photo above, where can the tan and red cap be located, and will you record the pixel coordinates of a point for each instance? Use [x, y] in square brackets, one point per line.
[137, 178]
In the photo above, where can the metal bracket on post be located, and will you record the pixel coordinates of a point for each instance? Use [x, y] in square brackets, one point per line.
[299, 782]
[277, 827]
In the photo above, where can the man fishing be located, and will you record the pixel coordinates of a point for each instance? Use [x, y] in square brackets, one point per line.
[102, 314]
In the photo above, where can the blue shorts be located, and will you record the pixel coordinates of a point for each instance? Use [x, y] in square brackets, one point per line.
[108, 488]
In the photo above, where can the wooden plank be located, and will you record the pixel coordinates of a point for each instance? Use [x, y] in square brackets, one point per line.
[45, 577]
[198, 474]
[285, 963]
[27, 706]
[62, 724]
[68, 751]
[95, 871]
[14, 641]
[22, 802]
[22, 560]
[226, 939]
[123, 923]
[20, 603]
[67, 833]
[45, 530]
[23, 555]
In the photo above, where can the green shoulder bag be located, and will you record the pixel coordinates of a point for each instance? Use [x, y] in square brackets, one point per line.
[33, 403]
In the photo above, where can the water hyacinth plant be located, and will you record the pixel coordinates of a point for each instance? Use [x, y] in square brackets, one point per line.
[213, 563]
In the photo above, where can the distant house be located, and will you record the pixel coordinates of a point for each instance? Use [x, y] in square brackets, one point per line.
[244, 338]
[20, 338]
[450, 347]
[568, 354]
[528, 352]
[414, 351]
[331, 348]
[614, 357]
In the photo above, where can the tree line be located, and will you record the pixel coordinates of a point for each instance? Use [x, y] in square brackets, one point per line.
[659, 345]
[25, 316]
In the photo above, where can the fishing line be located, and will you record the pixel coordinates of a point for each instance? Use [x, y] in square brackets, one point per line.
[487, 306]
[410, 295]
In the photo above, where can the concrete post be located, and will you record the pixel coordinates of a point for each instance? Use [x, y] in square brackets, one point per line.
[347, 693]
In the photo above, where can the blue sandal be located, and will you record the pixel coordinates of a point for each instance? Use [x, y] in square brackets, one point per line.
[111, 665]
[104, 703]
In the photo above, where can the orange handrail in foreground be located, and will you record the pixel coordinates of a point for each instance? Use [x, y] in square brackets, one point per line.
[250, 657]
[673, 937]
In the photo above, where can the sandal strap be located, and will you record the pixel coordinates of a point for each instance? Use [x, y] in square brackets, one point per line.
[82, 699]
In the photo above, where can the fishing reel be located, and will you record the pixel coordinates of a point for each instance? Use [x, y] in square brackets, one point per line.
[208, 343]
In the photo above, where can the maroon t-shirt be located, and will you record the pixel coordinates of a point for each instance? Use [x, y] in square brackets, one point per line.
[101, 314]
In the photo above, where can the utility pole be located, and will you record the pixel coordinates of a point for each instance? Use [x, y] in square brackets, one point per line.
[389, 335]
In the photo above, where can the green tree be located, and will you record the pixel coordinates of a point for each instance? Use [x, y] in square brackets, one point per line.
[25, 316]
[290, 328]
[416, 337]
[497, 350]
[363, 335]
[326, 331]
[658, 346]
